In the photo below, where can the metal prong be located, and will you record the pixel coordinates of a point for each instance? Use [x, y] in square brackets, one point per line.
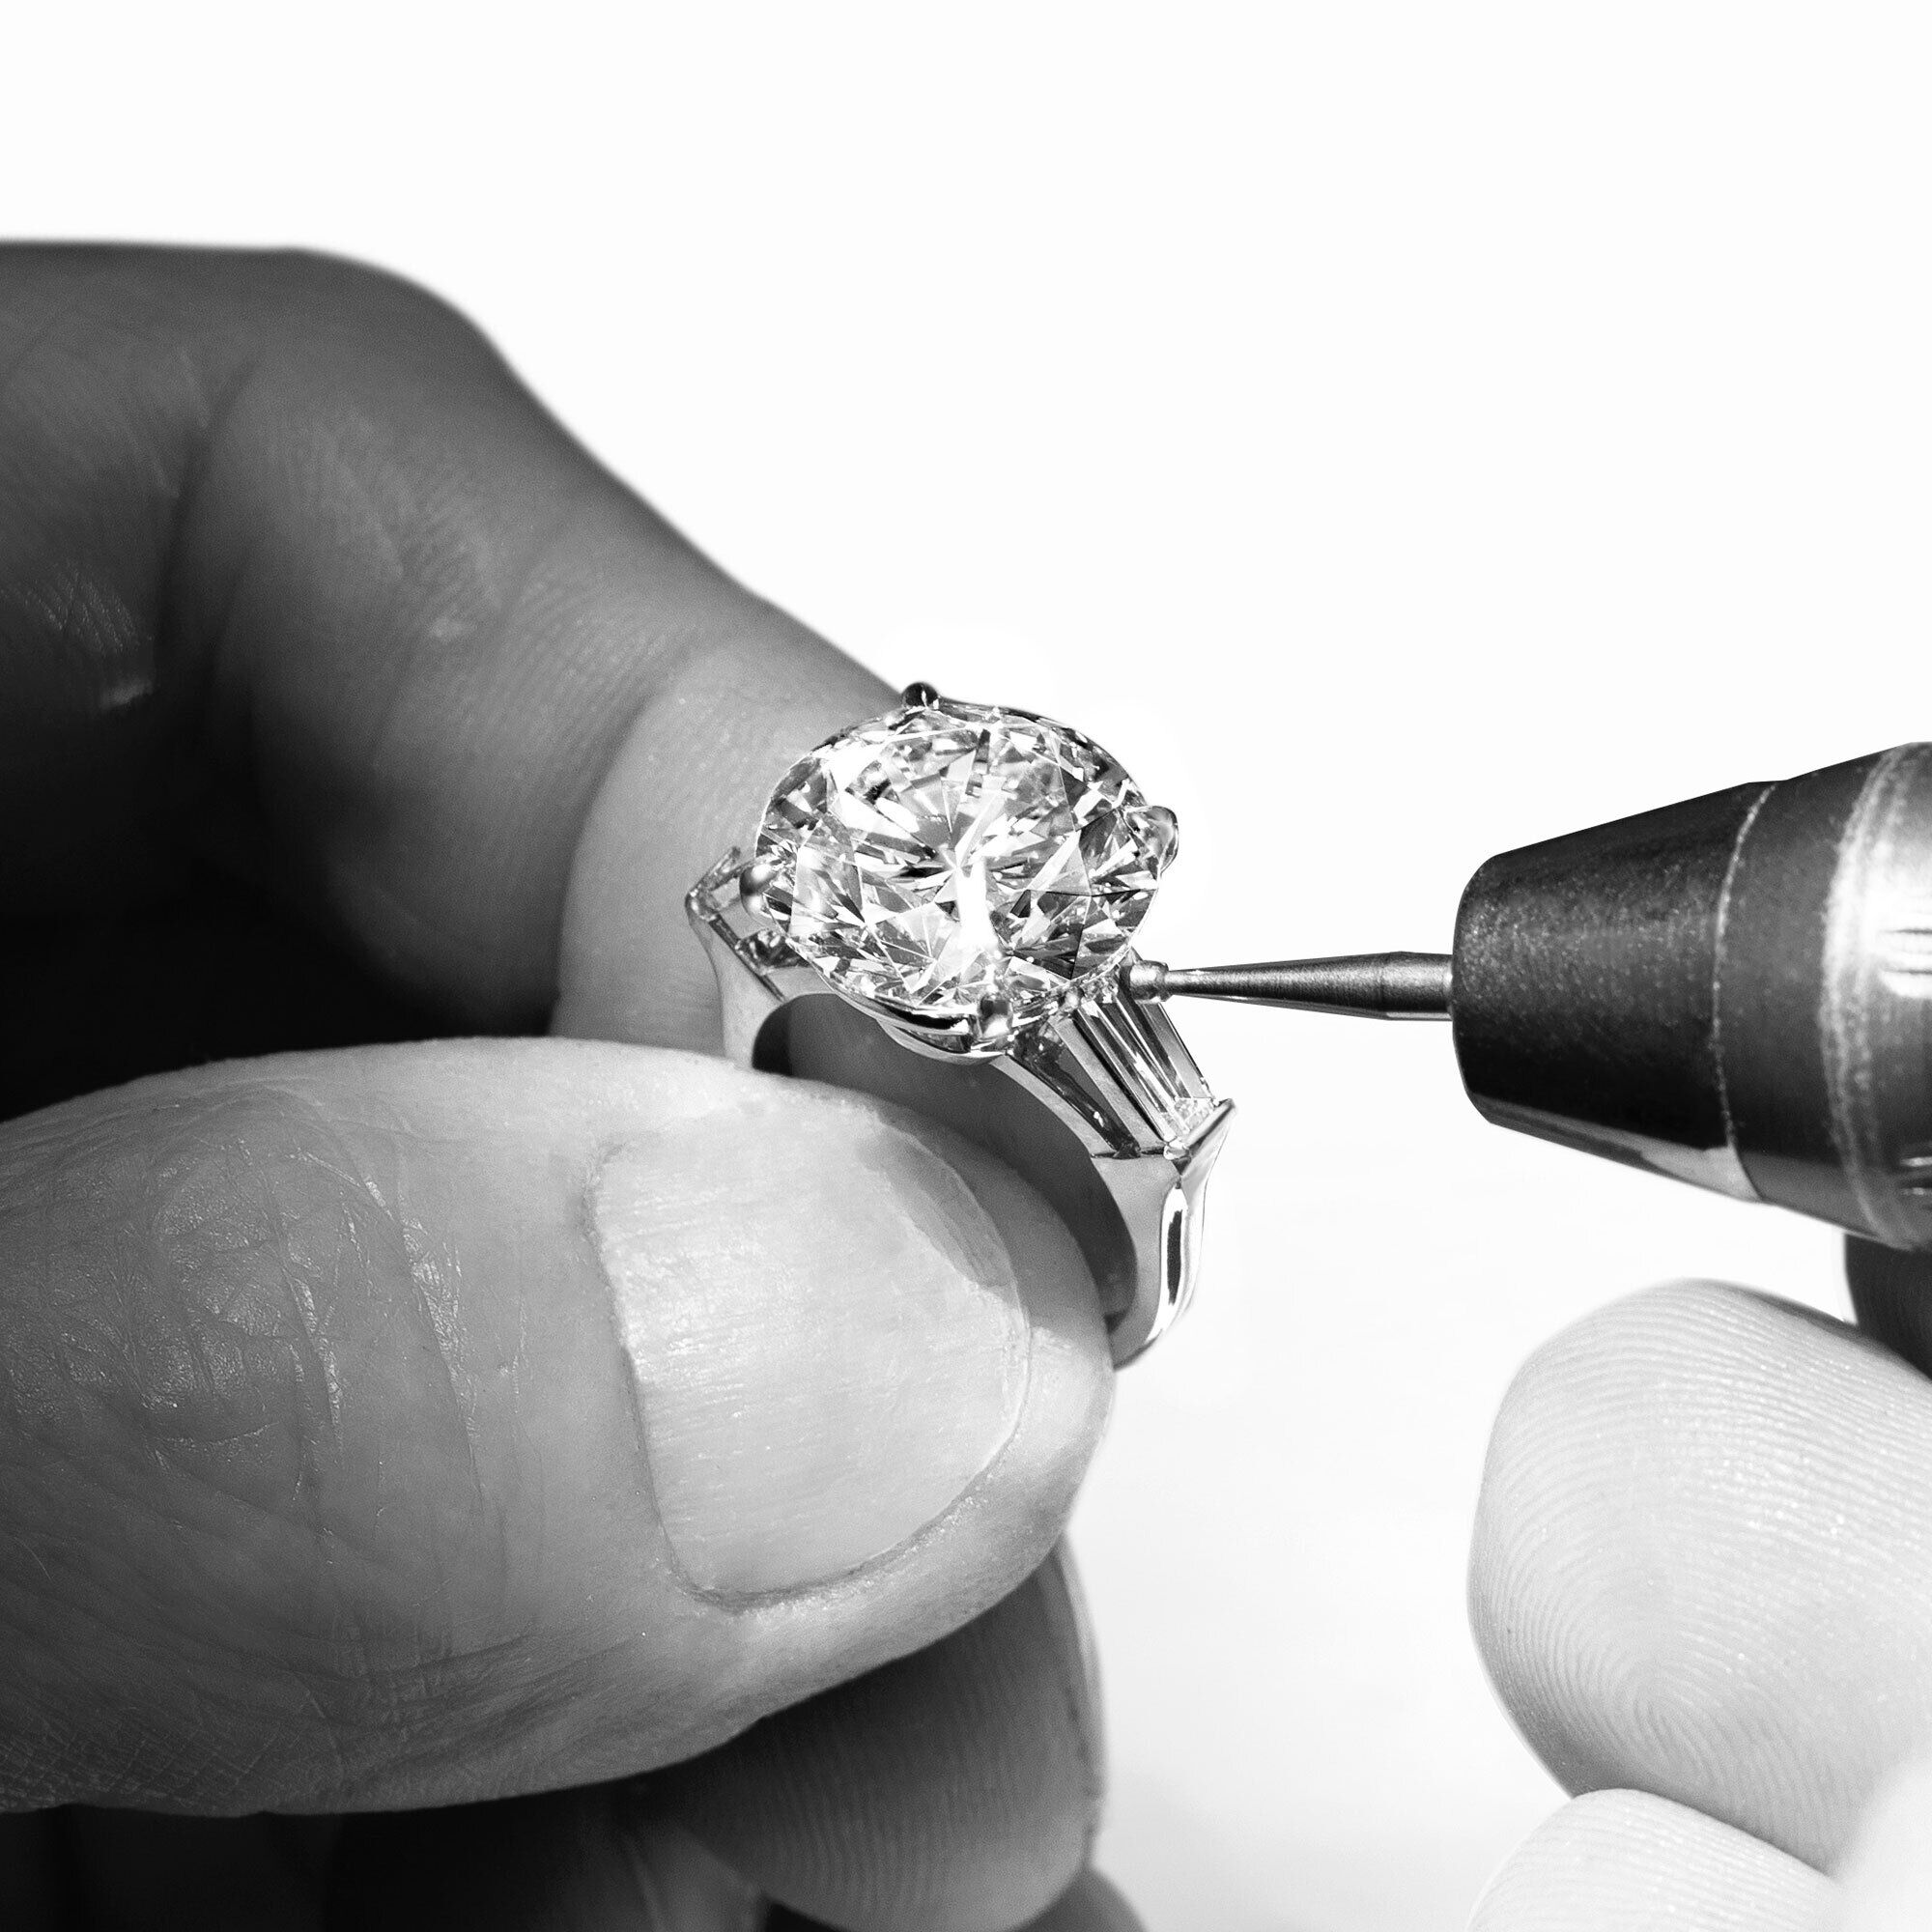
[753, 882]
[1376, 985]
[919, 694]
[993, 1023]
[1166, 835]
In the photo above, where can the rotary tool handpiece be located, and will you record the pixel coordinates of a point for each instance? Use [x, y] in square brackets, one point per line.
[1736, 992]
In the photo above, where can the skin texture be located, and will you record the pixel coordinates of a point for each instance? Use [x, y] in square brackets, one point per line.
[990, 1728]
[386, 1501]
[1684, 1493]
[1700, 1571]
[803, 1416]
[1626, 1861]
[347, 699]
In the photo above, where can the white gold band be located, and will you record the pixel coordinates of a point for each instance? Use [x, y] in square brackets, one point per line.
[1100, 1107]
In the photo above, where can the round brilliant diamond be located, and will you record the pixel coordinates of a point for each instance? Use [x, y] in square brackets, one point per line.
[949, 855]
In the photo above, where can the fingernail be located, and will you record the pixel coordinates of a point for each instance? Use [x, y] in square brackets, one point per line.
[824, 1327]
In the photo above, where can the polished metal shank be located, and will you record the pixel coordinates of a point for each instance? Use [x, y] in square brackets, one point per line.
[1100, 1107]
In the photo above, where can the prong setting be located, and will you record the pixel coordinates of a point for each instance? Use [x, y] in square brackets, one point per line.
[992, 1025]
[754, 882]
[919, 694]
[1163, 836]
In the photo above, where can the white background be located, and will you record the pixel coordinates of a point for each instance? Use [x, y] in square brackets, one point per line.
[1399, 432]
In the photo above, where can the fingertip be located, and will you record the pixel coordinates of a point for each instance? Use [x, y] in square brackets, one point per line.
[1701, 1561]
[1626, 1861]
[916, 1326]
[1071, 1362]
[956, 1789]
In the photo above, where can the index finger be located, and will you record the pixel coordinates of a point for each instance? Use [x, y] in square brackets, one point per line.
[292, 566]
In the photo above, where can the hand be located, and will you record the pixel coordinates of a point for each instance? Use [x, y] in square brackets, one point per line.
[1702, 1583]
[437, 1425]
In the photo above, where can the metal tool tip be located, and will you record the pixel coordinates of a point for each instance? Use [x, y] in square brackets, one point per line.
[1374, 985]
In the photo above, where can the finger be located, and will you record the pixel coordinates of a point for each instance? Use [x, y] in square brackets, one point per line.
[1702, 1563]
[1886, 1880]
[955, 1790]
[1625, 1861]
[426, 1424]
[292, 570]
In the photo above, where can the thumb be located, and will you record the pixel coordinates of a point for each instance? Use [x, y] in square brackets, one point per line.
[424, 1424]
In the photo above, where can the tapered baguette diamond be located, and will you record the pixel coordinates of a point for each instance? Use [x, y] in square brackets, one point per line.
[951, 859]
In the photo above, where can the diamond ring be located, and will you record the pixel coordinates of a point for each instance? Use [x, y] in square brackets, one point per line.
[939, 908]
